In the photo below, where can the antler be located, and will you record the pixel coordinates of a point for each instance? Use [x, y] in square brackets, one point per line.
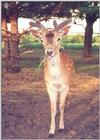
[36, 24]
[65, 23]
[55, 24]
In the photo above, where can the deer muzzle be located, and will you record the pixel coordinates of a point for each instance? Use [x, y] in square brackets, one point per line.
[49, 53]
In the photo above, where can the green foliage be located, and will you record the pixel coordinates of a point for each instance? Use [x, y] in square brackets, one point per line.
[71, 41]
[96, 39]
[28, 41]
[90, 8]
[73, 45]
[77, 46]
[45, 9]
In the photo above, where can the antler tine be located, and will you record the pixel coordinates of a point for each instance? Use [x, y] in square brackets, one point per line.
[36, 24]
[65, 23]
[32, 24]
[55, 24]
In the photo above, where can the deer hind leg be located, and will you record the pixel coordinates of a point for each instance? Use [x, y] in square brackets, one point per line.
[62, 97]
[53, 100]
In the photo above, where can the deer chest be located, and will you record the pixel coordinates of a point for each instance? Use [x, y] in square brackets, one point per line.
[55, 73]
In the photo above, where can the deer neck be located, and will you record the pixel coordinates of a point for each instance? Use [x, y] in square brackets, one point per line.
[55, 61]
[54, 66]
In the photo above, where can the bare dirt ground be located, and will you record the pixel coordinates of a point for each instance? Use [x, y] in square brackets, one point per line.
[26, 106]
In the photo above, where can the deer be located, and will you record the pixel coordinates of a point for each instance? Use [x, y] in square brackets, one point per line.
[58, 67]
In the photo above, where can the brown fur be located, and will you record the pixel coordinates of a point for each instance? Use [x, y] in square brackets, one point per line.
[67, 65]
[58, 69]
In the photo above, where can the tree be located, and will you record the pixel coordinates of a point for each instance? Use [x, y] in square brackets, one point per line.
[10, 13]
[90, 12]
[5, 35]
[12, 10]
[84, 10]
[91, 17]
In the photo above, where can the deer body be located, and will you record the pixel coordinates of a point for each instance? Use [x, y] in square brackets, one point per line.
[57, 73]
[57, 78]
[58, 69]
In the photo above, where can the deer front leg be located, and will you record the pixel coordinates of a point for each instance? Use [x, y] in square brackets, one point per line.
[53, 101]
[62, 96]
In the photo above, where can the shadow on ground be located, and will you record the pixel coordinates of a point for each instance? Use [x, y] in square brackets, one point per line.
[26, 108]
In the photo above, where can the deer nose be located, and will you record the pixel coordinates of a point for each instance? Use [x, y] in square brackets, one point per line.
[49, 52]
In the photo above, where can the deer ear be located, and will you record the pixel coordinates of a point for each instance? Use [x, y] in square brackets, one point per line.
[64, 31]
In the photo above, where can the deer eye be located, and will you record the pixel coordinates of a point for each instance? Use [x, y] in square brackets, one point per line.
[58, 39]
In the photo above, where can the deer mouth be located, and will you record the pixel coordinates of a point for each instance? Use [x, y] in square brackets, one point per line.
[50, 54]
[50, 57]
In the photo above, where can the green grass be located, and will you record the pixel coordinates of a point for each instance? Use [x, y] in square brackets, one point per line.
[34, 55]
[77, 45]
[72, 45]
[38, 45]
[90, 65]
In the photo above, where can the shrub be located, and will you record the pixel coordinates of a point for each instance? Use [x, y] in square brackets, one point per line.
[96, 39]
[73, 38]
[27, 41]
[71, 41]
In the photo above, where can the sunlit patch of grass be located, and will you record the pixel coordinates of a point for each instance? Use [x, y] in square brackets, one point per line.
[90, 69]
[33, 53]
[86, 67]
[31, 58]
[89, 65]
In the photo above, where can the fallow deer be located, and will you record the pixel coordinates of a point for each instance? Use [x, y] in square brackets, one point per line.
[58, 67]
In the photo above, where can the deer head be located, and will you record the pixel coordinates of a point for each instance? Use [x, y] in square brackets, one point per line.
[50, 37]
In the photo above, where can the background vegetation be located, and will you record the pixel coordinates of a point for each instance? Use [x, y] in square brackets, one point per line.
[70, 41]
[11, 11]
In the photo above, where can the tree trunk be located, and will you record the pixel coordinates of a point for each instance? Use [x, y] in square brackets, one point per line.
[14, 41]
[90, 19]
[6, 44]
[88, 41]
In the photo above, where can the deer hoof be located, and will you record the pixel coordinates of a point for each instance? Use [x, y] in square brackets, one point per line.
[61, 130]
[51, 135]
